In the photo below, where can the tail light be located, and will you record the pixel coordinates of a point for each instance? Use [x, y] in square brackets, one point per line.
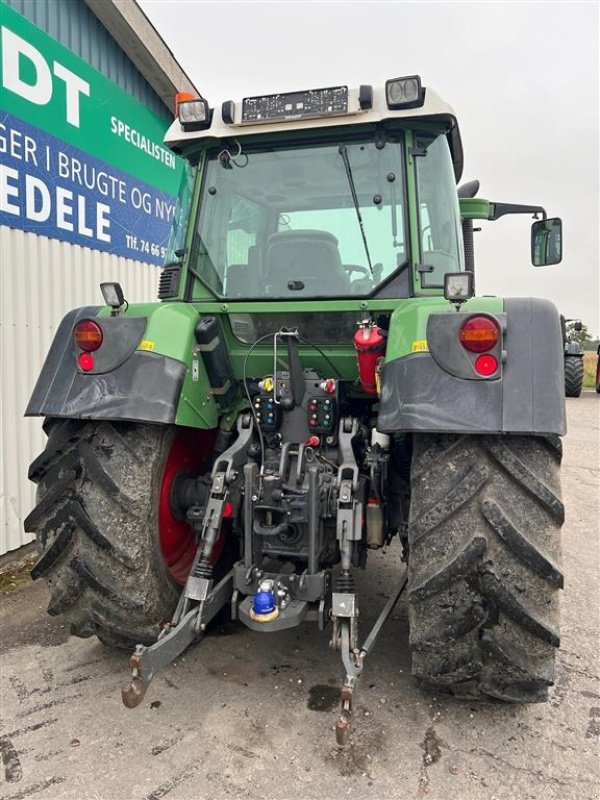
[479, 334]
[86, 361]
[87, 335]
[486, 365]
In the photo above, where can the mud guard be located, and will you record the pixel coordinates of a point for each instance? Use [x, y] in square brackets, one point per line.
[419, 395]
[132, 385]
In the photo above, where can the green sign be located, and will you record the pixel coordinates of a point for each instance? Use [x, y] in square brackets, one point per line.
[47, 86]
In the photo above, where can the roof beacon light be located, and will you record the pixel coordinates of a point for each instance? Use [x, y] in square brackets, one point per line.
[193, 114]
[404, 92]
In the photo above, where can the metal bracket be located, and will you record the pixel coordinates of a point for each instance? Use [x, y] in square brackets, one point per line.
[236, 455]
[343, 604]
[347, 431]
[197, 588]
[349, 509]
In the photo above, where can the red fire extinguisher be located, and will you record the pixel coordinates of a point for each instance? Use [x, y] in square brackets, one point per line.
[369, 343]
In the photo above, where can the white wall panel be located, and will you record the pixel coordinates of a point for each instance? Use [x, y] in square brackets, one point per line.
[40, 280]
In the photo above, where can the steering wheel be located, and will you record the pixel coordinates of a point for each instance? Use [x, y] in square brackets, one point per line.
[350, 268]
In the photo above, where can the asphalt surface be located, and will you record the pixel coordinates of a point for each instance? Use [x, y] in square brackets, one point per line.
[245, 715]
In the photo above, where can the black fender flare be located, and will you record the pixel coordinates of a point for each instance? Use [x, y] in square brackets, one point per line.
[417, 394]
[129, 384]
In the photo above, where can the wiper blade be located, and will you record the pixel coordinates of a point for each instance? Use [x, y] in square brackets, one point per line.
[343, 151]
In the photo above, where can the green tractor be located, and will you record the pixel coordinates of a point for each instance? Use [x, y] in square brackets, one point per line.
[317, 379]
[573, 350]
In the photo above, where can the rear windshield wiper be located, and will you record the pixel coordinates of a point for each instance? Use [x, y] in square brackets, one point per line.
[343, 151]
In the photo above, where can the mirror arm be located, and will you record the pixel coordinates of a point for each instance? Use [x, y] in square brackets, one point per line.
[500, 209]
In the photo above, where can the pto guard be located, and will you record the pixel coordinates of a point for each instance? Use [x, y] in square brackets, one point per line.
[126, 384]
[418, 395]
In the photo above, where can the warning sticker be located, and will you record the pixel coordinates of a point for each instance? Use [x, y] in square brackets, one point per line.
[419, 346]
[146, 344]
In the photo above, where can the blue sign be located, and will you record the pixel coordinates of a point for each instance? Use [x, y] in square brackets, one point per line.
[56, 190]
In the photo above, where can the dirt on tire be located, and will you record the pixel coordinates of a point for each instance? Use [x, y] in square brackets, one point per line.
[484, 567]
[95, 522]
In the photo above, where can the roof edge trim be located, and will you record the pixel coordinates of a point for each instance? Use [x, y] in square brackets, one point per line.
[138, 38]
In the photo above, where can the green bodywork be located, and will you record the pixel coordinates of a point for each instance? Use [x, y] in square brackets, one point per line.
[170, 333]
[475, 208]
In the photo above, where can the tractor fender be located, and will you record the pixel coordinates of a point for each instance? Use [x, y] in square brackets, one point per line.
[124, 384]
[431, 391]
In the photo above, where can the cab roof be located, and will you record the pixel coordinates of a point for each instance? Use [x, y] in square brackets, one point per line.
[226, 121]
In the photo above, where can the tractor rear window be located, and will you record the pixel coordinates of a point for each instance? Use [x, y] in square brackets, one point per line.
[284, 223]
[317, 328]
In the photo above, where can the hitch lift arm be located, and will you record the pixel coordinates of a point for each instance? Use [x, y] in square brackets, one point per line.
[353, 657]
[200, 601]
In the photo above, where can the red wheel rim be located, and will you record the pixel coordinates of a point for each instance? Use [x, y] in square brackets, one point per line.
[177, 540]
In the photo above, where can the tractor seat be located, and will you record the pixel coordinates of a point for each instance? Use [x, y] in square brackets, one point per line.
[304, 262]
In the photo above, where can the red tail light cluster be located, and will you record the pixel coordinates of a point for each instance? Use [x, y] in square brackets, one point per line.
[479, 335]
[87, 335]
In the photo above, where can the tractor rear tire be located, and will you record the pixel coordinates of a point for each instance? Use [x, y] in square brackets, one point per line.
[573, 375]
[484, 565]
[97, 530]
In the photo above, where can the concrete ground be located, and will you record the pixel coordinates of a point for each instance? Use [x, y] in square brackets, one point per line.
[246, 715]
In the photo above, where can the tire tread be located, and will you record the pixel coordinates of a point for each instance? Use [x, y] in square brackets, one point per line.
[483, 595]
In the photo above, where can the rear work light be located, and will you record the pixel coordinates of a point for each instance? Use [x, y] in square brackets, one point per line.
[193, 114]
[404, 92]
[87, 335]
[479, 334]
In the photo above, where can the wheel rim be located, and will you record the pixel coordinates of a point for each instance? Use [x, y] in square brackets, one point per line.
[177, 540]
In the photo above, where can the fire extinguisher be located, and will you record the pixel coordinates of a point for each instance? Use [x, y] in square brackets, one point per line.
[369, 343]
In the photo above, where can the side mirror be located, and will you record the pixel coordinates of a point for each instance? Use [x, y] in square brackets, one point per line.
[546, 242]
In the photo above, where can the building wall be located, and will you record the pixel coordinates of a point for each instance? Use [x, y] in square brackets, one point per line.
[40, 280]
[45, 269]
[72, 24]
